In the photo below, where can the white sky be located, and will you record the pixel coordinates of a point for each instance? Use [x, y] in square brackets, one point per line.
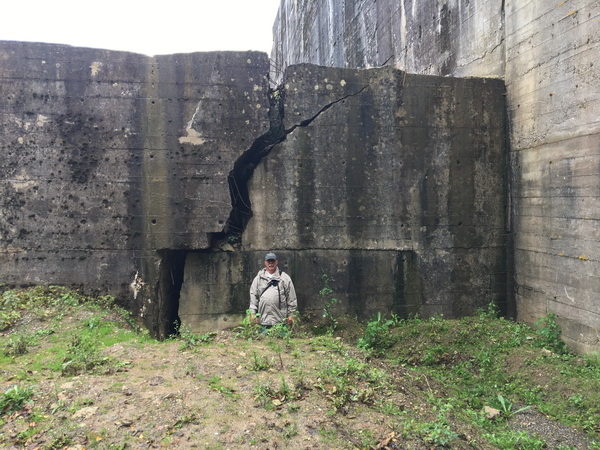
[142, 26]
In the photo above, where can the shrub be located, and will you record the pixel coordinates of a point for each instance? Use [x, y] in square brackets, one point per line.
[17, 345]
[82, 356]
[548, 334]
[377, 335]
[13, 399]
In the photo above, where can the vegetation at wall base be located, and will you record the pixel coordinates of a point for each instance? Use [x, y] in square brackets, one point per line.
[75, 373]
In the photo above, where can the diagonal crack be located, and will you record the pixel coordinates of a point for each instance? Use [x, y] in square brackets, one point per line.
[307, 122]
[243, 168]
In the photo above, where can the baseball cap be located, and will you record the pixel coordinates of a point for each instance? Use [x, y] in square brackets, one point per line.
[270, 255]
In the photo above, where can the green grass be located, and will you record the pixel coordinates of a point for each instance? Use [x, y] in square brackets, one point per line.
[484, 360]
[67, 339]
[427, 381]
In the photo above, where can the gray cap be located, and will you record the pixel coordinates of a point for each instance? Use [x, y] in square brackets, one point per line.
[270, 255]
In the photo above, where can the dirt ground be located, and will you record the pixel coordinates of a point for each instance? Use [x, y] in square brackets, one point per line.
[230, 392]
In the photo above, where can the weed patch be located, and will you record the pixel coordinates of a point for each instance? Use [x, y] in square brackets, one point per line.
[18, 344]
[14, 398]
[412, 383]
[190, 340]
[82, 356]
[548, 334]
[270, 397]
[249, 328]
[509, 440]
[377, 336]
[259, 362]
[216, 384]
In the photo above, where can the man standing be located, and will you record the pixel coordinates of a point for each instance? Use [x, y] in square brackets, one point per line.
[272, 294]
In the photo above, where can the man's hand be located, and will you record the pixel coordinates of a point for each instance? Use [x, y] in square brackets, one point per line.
[290, 320]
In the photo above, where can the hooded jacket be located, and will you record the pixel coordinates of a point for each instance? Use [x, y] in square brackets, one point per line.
[274, 302]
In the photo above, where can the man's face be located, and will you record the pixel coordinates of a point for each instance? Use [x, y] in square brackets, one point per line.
[271, 265]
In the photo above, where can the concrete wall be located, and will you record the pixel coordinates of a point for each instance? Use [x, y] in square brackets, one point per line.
[553, 79]
[395, 190]
[117, 170]
[451, 37]
[215, 289]
[547, 53]
[108, 157]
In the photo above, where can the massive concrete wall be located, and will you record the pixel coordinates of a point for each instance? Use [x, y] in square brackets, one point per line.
[395, 190]
[113, 161]
[117, 171]
[546, 52]
[452, 37]
[553, 79]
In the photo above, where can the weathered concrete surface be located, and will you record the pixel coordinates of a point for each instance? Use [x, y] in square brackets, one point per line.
[108, 157]
[452, 37]
[404, 163]
[395, 190]
[547, 52]
[552, 77]
[116, 167]
[216, 284]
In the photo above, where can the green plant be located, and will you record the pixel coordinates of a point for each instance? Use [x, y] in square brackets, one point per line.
[391, 409]
[329, 301]
[185, 420]
[279, 330]
[249, 328]
[290, 430]
[263, 394]
[259, 363]
[14, 398]
[366, 438]
[92, 322]
[82, 356]
[190, 339]
[490, 311]
[438, 433]
[576, 400]
[509, 440]
[548, 334]
[216, 384]
[377, 336]
[18, 344]
[328, 343]
[270, 398]
[507, 407]
[8, 319]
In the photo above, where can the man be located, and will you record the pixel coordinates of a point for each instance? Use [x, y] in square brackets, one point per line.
[272, 295]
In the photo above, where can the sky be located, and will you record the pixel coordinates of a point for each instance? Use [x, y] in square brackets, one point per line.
[142, 26]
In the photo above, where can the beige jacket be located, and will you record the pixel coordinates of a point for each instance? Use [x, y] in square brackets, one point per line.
[274, 303]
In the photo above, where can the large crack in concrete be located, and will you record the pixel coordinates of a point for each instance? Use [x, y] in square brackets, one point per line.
[243, 168]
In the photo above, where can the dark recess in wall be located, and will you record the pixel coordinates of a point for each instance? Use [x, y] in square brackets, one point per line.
[170, 280]
[241, 208]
